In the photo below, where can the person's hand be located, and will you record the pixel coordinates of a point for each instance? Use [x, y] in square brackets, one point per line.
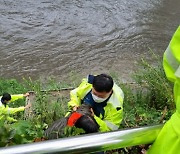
[74, 108]
[28, 106]
[26, 94]
[92, 112]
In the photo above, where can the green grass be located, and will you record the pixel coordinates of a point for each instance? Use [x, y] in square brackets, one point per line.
[154, 80]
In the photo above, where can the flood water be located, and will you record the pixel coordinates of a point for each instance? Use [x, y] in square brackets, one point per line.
[43, 38]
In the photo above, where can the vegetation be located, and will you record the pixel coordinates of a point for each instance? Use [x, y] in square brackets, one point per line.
[151, 97]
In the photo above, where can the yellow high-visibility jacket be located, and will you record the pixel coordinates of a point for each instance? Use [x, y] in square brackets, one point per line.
[112, 116]
[168, 140]
[6, 111]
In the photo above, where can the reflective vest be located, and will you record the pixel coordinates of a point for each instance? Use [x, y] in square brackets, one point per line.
[113, 111]
[6, 111]
[168, 140]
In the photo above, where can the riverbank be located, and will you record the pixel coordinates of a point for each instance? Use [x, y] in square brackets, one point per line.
[149, 102]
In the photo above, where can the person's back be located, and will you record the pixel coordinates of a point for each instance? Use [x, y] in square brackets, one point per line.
[168, 140]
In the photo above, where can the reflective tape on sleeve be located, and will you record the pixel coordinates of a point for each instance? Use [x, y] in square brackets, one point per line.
[111, 125]
[171, 59]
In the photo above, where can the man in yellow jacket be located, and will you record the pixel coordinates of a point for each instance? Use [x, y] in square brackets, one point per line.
[168, 140]
[5, 110]
[105, 98]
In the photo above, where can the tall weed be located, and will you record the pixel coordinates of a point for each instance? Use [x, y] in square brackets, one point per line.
[154, 83]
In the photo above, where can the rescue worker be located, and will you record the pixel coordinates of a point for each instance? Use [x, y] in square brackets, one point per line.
[168, 140]
[105, 98]
[5, 110]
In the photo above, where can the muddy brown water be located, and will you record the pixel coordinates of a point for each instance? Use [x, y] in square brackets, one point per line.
[53, 38]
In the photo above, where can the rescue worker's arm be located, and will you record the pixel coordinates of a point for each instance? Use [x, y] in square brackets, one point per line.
[74, 102]
[75, 99]
[18, 96]
[10, 119]
[76, 94]
[102, 125]
[8, 110]
[111, 120]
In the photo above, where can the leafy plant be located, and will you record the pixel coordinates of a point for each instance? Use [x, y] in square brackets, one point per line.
[18, 133]
[153, 81]
[11, 86]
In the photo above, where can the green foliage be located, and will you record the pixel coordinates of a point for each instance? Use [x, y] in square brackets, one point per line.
[46, 107]
[136, 110]
[11, 86]
[18, 133]
[47, 112]
[73, 131]
[153, 80]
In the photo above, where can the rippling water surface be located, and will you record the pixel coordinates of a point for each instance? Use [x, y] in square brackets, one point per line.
[42, 38]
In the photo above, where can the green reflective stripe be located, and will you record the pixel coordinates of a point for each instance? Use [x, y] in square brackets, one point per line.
[111, 125]
[171, 59]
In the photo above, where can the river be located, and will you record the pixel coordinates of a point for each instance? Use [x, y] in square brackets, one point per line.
[44, 38]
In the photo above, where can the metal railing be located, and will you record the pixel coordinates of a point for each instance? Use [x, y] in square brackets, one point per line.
[89, 143]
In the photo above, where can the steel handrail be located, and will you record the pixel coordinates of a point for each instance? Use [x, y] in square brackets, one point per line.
[89, 143]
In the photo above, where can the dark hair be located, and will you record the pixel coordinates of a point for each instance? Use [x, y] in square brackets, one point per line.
[103, 82]
[6, 97]
[88, 124]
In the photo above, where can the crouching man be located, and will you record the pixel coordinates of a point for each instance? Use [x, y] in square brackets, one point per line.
[105, 98]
